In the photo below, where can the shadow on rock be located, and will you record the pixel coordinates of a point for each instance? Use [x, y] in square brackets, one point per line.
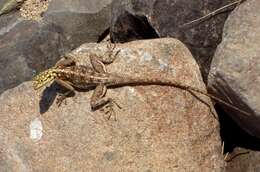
[48, 96]
[50, 93]
[232, 135]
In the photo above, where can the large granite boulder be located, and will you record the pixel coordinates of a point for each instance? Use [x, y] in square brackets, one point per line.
[159, 128]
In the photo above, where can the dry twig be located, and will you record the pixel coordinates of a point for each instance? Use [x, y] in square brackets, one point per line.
[213, 13]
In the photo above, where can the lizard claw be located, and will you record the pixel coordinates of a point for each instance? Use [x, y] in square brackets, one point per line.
[109, 112]
[60, 99]
[108, 109]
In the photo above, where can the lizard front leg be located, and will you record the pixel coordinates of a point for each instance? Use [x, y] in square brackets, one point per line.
[110, 56]
[98, 61]
[98, 100]
[97, 64]
[67, 60]
[63, 96]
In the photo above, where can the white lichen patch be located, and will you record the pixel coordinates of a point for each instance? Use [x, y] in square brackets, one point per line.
[131, 90]
[127, 55]
[145, 56]
[153, 93]
[163, 65]
[36, 130]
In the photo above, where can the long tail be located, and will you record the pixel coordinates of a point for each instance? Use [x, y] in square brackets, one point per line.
[218, 100]
[141, 81]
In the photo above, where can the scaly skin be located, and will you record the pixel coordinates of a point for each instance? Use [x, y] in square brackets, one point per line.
[70, 75]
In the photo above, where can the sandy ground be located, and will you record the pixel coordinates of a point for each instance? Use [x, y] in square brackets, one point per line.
[32, 9]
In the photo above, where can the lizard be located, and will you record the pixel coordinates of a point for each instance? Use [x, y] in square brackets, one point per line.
[71, 75]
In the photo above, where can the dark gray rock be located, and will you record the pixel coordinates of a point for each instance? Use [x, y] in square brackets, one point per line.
[245, 161]
[235, 69]
[142, 19]
[27, 46]
[2, 3]
[81, 20]
[10, 6]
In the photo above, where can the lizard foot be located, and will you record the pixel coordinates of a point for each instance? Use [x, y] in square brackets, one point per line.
[108, 109]
[60, 99]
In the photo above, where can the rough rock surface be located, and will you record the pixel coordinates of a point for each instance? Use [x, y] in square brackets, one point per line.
[2, 2]
[158, 128]
[247, 161]
[80, 20]
[33, 9]
[142, 19]
[235, 67]
[27, 46]
[9, 6]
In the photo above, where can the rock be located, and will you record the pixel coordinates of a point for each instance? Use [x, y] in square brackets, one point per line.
[158, 128]
[34, 9]
[10, 5]
[234, 72]
[2, 2]
[86, 20]
[26, 46]
[245, 161]
[29, 46]
[144, 19]
[239, 147]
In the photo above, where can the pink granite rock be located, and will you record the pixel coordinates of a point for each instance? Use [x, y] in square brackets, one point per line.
[159, 128]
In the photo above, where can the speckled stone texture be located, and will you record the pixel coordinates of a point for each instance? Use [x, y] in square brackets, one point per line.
[247, 161]
[235, 68]
[29, 46]
[146, 19]
[33, 9]
[159, 128]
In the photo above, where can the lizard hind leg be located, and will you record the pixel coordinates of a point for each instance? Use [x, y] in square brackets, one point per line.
[99, 101]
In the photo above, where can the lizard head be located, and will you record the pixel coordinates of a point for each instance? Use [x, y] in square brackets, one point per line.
[44, 78]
